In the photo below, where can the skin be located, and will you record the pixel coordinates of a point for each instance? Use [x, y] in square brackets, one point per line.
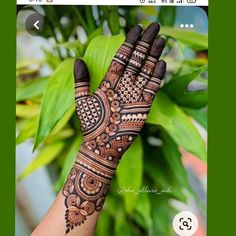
[79, 217]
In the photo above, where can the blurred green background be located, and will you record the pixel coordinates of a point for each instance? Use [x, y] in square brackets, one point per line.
[45, 111]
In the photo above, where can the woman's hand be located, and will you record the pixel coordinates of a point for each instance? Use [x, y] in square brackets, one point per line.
[111, 118]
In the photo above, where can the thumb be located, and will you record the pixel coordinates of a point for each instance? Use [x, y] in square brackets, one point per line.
[81, 76]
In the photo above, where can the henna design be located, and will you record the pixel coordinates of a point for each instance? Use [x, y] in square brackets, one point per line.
[111, 119]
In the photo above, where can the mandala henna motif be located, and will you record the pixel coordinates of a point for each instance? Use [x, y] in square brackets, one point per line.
[111, 119]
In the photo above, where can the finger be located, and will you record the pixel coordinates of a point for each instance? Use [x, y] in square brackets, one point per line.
[148, 68]
[123, 54]
[81, 76]
[154, 83]
[150, 33]
[141, 50]
[153, 57]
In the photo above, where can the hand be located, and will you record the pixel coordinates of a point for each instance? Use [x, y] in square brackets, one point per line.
[111, 118]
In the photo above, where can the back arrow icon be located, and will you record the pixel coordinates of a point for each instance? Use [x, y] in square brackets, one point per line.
[36, 24]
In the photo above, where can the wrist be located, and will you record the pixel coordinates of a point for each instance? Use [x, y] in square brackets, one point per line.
[86, 186]
[99, 165]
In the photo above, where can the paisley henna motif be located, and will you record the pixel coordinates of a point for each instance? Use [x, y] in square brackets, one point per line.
[111, 119]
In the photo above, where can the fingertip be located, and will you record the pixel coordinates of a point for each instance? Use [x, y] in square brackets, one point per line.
[134, 34]
[160, 69]
[150, 33]
[160, 42]
[80, 70]
[157, 47]
[155, 26]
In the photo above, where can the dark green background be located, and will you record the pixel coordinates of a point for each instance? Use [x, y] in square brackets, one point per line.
[222, 118]
[7, 123]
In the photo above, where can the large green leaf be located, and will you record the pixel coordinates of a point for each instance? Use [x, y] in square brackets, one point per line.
[178, 84]
[45, 156]
[57, 100]
[143, 208]
[194, 99]
[98, 57]
[158, 168]
[193, 39]
[130, 172]
[168, 115]
[31, 89]
[173, 157]
[69, 161]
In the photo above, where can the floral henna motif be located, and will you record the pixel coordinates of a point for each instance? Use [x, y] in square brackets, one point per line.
[111, 119]
[84, 194]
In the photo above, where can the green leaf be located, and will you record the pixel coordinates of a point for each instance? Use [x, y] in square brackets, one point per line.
[129, 173]
[104, 224]
[64, 120]
[178, 84]
[113, 202]
[199, 115]
[27, 111]
[173, 157]
[194, 99]
[162, 214]
[94, 34]
[27, 130]
[114, 22]
[168, 115]
[57, 100]
[47, 154]
[143, 208]
[167, 16]
[121, 224]
[31, 89]
[193, 39]
[98, 57]
[69, 161]
[157, 167]
[76, 46]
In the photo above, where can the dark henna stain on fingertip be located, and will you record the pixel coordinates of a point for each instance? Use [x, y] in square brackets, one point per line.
[80, 71]
[160, 69]
[150, 33]
[134, 34]
[157, 47]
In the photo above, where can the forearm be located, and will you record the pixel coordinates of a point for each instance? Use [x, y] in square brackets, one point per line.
[81, 199]
[53, 223]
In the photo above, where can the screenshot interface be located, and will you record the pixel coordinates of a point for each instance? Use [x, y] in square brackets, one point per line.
[111, 117]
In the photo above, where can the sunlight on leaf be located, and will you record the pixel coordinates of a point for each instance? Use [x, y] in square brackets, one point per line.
[58, 98]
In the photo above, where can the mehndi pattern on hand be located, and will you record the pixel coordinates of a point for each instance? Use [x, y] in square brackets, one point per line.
[111, 118]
